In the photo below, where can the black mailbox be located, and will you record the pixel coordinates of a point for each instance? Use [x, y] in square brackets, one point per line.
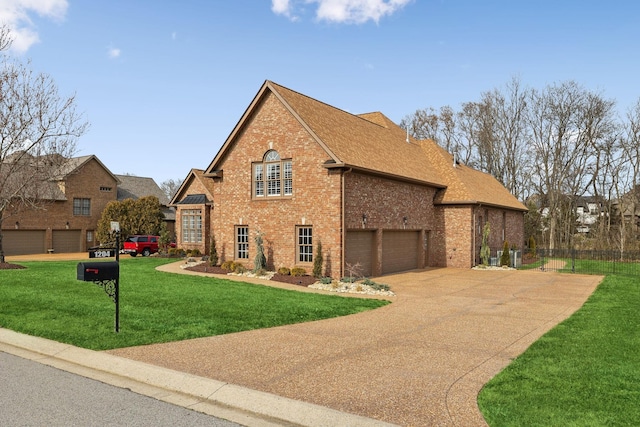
[98, 271]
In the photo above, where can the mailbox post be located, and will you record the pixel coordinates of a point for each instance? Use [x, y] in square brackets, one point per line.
[105, 274]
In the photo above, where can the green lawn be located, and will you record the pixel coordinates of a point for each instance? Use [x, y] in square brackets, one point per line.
[584, 372]
[46, 300]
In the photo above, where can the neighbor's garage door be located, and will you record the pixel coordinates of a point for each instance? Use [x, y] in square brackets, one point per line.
[65, 241]
[399, 251]
[23, 242]
[359, 249]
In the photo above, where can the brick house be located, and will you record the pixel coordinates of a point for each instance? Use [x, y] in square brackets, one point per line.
[69, 217]
[300, 172]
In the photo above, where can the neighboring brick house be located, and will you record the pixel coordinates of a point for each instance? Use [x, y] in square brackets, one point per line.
[135, 187]
[68, 221]
[300, 172]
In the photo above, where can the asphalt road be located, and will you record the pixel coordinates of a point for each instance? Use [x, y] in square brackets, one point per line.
[32, 394]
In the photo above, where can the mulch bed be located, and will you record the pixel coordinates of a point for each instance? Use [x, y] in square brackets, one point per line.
[294, 280]
[9, 266]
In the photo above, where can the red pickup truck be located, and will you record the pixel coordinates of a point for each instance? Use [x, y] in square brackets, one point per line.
[141, 244]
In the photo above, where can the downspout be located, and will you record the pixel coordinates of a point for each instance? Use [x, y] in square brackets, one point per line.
[343, 237]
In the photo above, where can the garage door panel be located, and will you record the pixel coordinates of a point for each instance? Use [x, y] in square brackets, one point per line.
[23, 242]
[66, 241]
[359, 249]
[400, 250]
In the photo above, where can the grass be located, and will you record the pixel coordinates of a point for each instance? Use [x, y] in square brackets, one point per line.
[46, 300]
[584, 372]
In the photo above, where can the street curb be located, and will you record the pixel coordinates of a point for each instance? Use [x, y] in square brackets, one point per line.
[234, 403]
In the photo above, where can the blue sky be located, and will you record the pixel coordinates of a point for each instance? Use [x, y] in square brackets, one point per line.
[163, 83]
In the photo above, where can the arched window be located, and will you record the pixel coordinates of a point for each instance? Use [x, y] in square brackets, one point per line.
[272, 177]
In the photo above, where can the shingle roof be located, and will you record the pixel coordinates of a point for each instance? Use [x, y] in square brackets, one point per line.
[467, 185]
[135, 187]
[372, 142]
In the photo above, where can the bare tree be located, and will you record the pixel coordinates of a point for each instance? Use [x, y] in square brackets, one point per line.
[508, 107]
[565, 124]
[170, 187]
[422, 124]
[627, 181]
[38, 133]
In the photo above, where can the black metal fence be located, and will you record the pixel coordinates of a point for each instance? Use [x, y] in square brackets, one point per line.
[584, 261]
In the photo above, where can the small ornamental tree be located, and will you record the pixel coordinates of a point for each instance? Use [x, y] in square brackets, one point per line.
[317, 261]
[485, 251]
[532, 246]
[505, 259]
[213, 256]
[260, 261]
[165, 237]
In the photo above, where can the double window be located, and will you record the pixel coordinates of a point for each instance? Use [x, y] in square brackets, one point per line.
[242, 242]
[272, 177]
[82, 207]
[192, 226]
[305, 244]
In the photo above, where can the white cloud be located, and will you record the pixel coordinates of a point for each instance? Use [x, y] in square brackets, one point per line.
[113, 52]
[342, 11]
[16, 15]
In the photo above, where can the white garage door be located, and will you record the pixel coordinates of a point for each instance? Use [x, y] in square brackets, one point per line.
[23, 242]
[399, 251]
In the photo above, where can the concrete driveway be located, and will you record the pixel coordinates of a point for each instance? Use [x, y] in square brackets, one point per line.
[419, 361]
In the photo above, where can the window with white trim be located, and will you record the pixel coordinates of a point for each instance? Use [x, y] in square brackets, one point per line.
[192, 226]
[273, 177]
[305, 244]
[242, 242]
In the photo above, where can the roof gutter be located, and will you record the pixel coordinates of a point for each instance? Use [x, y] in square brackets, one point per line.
[331, 165]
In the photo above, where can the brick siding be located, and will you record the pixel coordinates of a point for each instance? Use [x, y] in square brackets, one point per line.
[83, 183]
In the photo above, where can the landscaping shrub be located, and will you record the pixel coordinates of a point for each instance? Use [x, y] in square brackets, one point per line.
[326, 280]
[485, 251]
[228, 265]
[505, 259]
[532, 246]
[284, 271]
[260, 261]
[213, 257]
[298, 271]
[317, 261]
[239, 269]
